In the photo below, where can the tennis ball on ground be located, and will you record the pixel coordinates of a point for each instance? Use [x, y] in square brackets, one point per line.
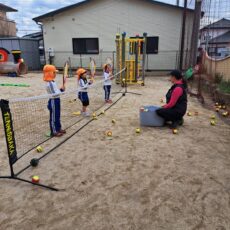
[39, 149]
[223, 107]
[175, 131]
[189, 114]
[216, 103]
[35, 179]
[220, 107]
[213, 117]
[109, 133]
[138, 130]
[225, 114]
[212, 122]
[103, 112]
[78, 113]
[113, 121]
[94, 116]
[34, 162]
[217, 110]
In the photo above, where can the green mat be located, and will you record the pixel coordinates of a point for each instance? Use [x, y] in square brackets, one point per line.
[16, 85]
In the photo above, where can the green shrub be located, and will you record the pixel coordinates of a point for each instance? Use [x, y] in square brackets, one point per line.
[224, 86]
[218, 78]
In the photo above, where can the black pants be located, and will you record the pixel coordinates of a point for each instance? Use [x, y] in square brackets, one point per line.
[169, 114]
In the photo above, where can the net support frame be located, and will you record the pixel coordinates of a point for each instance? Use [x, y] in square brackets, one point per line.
[11, 145]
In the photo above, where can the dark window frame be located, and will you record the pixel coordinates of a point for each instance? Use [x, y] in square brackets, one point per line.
[84, 50]
[148, 50]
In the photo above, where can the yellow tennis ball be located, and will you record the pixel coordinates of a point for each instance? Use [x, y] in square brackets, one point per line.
[175, 131]
[109, 133]
[138, 130]
[213, 117]
[113, 121]
[225, 114]
[35, 179]
[189, 114]
[39, 149]
[212, 122]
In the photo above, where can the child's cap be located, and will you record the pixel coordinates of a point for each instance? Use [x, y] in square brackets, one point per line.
[48, 72]
[80, 72]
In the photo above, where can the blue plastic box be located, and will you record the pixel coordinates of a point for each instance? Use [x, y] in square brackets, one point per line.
[149, 117]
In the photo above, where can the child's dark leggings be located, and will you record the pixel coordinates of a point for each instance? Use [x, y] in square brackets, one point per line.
[107, 89]
[54, 106]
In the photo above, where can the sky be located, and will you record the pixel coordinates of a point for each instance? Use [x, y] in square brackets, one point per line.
[28, 9]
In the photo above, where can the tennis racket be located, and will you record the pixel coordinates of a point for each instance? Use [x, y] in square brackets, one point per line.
[92, 66]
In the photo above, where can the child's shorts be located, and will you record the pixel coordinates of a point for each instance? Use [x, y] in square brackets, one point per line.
[83, 96]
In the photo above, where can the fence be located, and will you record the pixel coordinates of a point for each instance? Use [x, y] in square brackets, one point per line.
[212, 83]
[164, 60]
[214, 67]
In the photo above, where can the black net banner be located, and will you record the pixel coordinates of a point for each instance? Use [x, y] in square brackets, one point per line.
[9, 132]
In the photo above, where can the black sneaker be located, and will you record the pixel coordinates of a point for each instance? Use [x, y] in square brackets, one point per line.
[177, 123]
[174, 125]
[181, 122]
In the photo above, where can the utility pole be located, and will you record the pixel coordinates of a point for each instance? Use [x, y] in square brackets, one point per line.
[177, 2]
[183, 35]
[195, 33]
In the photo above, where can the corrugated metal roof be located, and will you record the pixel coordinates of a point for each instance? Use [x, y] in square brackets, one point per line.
[18, 38]
[37, 35]
[55, 12]
[7, 8]
[224, 38]
[221, 24]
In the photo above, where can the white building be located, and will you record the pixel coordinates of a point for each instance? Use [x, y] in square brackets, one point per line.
[88, 29]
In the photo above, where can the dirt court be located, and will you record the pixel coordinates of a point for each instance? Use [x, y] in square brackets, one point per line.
[149, 181]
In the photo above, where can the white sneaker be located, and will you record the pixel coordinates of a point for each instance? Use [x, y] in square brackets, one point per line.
[86, 114]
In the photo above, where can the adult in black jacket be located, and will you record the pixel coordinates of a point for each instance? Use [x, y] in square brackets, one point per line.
[176, 100]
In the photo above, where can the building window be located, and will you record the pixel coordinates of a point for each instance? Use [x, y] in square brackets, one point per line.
[152, 45]
[85, 46]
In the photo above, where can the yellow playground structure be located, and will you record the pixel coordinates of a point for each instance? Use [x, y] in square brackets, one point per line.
[131, 54]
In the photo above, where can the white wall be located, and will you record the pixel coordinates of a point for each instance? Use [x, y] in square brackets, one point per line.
[105, 18]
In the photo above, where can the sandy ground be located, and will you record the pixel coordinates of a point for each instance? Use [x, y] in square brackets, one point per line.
[151, 181]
